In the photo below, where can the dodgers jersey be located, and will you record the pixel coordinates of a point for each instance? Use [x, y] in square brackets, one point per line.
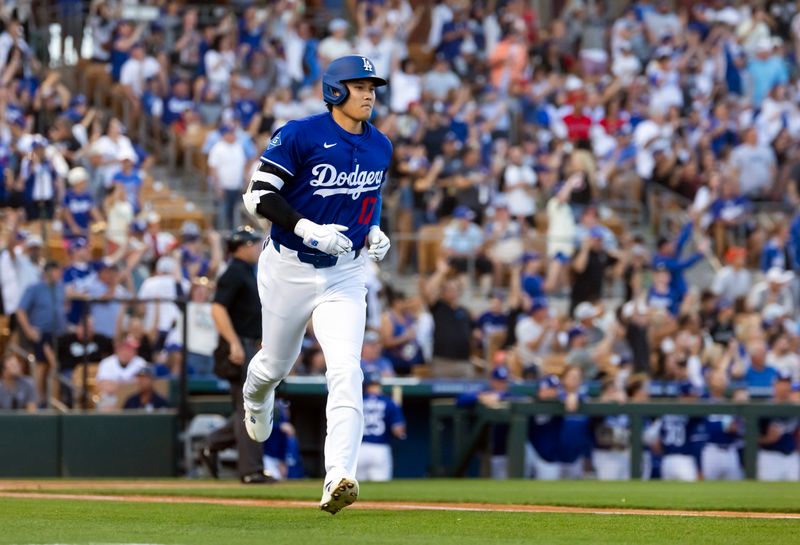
[336, 176]
[681, 434]
[380, 415]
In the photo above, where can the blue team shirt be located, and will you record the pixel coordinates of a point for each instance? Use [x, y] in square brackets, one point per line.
[132, 183]
[716, 426]
[78, 276]
[681, 434]
[787, 442]
[760, 379]
[490, 323]
[380, 415]
[80, 206]
[336, 176]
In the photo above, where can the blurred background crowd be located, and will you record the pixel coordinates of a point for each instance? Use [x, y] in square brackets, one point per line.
[592, 185]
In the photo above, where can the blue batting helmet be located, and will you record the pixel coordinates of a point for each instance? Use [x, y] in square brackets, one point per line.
[346, 69]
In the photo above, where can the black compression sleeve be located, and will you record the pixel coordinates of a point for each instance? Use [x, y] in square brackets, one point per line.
[274, 207]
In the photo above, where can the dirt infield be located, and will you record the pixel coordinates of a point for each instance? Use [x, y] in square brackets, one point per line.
[36, 491]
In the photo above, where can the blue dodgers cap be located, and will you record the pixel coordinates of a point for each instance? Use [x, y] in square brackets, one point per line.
[463, 212]
[575, 332]
[372, 378]
[77, 100]
[77, 244]
[530, 256]
[550, 381]
[538, 304]
[686, 388]
[225, 128]
[596, 232]
[500, 373]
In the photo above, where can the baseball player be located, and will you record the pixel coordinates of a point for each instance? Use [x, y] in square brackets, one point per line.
[544, 432]
[778, 458]
[720, 456]
[319, 184]
[611, 456]
[680, 440]
[382, 420]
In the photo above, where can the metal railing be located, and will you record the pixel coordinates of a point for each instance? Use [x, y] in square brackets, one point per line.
[469, 427]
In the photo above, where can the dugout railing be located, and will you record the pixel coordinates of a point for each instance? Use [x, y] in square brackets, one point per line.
[468, 428]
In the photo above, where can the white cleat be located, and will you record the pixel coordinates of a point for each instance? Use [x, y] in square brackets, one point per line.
[258, 425]
[336, 497]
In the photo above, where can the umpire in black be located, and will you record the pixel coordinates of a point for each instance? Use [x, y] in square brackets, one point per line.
[237, 314]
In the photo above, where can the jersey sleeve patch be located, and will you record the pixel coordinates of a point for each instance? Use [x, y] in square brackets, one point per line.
[275, 141]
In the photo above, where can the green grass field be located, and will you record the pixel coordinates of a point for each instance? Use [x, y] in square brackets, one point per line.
[51, 521]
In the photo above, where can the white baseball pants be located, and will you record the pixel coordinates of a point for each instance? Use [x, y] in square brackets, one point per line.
[678, 467]
[612, 465]
[721, 463]
[374, 462]
[777, 466]
[334, 298]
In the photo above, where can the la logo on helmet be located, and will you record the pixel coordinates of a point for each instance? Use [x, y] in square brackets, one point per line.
[367, 64]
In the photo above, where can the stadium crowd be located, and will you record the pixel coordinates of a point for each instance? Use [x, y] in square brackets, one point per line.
[521, 144]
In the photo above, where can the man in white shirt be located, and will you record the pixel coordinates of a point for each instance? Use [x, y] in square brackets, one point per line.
[536, 334]
[336, 45]
[378, 47]
[133, 75]
[165, 284]
[520, 187]
[117, 369]
[755, 165]
[227, 162]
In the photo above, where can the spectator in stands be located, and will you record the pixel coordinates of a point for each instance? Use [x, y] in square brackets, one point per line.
[561, 231]
[76, 276]
[40, 315]
[105, 288]
[167, 285]
[129, 177]
[228, 166]
[590, 265]
[201, 331]
[756, 371]
[774, 289]
[117, 370]
[452, 329]
[78, 209]
[43, 185]
[661, 296]
[83, 344]
[733, 280]
[194, 260]
[20, 267]
[536, 337]
[121, 214]
[518, 187]
[336, 44]
[372, 361]
[778, 251]
[145, 398]
[398, 335]
[159, 242]
[668, 254]
[504, 243]
[135, 72]
[105, 153]
[463, 246]
[492, 325]
[16, 391]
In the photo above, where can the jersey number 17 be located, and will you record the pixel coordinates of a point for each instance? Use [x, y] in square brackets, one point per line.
[367, 208]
